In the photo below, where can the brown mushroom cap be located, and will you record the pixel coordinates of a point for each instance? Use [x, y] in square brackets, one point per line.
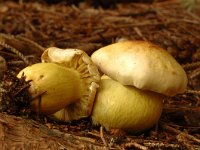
[81, 62]
[143, 65]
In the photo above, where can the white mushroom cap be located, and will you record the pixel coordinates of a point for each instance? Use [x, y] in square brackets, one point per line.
[143, 65]
[82, 63]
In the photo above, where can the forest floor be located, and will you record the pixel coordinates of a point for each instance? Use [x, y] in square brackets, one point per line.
[27, 28]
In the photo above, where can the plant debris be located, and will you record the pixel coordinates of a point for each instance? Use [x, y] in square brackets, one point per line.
[15, 98]
[27, 28]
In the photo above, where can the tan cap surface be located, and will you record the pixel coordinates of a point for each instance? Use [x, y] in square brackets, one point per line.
[143, 65]
[80, 61]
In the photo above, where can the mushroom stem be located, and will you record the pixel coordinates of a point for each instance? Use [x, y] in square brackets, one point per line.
[60, 86]
[126, 107]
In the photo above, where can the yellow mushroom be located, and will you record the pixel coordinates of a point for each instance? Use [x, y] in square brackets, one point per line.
[64, 84]
[52, 83]
[126, 107]
[141, 75]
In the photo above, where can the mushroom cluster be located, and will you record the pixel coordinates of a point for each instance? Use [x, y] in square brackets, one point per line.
[137, 77]
[64, 84]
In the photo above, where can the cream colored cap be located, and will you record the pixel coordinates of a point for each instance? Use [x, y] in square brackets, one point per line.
[90, 78]
[143, 65]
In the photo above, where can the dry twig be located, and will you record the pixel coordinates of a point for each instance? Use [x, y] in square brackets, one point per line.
[102, 137]
[15, 51]
[190, 66]
[195, 73]
[135, 145]
[171, 129]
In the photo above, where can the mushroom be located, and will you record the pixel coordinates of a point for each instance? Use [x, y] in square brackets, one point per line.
[141, 75]
[64, 84]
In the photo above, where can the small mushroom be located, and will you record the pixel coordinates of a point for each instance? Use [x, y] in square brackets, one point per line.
[141, 75]
[64, 84]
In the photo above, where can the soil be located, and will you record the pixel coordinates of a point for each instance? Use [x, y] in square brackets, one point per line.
[28, 27]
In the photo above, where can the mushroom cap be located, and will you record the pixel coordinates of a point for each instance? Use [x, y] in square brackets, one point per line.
[126, 107]
[143, 65]
[82, 63]
[49, 93]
